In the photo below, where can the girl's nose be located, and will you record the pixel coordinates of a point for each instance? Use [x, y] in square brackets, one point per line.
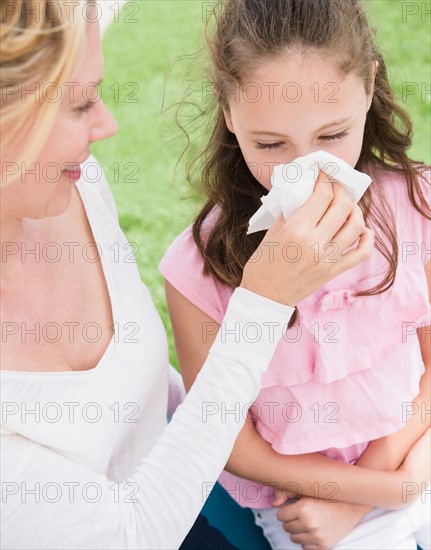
[302, 151]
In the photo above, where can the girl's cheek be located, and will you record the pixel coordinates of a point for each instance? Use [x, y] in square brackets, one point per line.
[261, 167]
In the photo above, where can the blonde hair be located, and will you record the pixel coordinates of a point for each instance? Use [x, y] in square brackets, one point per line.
[41, 43]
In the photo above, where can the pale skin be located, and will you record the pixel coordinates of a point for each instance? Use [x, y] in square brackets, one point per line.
[40, 212]
[265, 139]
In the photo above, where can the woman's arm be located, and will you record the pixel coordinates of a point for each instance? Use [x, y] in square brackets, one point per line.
[254, 459]
[156, 506]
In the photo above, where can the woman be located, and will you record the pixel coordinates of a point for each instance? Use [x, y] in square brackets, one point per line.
[87, 459]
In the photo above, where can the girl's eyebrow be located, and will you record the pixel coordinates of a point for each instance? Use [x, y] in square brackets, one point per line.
[275, 134]
[335, 123]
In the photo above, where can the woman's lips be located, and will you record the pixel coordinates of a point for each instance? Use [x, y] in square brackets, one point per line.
[73, 173]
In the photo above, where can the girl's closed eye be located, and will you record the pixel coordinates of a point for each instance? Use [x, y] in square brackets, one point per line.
[269, 145]
[278, 144]
[334, 136]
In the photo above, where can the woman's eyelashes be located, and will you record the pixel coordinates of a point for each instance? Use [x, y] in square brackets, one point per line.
[280, 143]
[85, 108]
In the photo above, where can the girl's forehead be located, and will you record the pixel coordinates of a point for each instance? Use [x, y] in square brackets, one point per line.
[306, 84]
[293, 65]
[310, 98]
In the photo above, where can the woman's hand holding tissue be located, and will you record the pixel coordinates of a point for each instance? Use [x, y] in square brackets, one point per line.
[299, 255]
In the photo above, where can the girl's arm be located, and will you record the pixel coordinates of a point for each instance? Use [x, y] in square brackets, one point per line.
[254, 459]
[323, 524]
[330, 522]
[334, 520]
[388, 453]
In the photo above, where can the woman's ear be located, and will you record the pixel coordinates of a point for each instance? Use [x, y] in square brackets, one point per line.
[228, 120]
[374, 67]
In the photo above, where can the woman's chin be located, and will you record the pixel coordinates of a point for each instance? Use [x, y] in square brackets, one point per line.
[59, 203]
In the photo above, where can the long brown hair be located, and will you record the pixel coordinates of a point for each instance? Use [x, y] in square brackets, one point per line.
[248, 31]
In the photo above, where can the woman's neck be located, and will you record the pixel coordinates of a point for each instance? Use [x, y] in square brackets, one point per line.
[21, 241]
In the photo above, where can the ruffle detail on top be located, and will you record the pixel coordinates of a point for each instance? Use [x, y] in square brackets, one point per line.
[340, 333]
[337, 299]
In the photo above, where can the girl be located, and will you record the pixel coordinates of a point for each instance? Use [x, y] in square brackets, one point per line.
[292, 77]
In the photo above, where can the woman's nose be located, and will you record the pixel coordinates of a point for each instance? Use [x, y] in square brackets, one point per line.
[104, 124]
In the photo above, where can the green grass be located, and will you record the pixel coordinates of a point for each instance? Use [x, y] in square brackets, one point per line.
[404, 39]
[140, 47]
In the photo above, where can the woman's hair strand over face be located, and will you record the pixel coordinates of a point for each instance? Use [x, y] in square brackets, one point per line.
[41, 44]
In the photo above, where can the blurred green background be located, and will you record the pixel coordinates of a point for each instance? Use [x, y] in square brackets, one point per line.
[154, 201]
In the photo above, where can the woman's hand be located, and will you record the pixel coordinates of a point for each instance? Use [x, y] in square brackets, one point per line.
[318, 525]
[299, 255]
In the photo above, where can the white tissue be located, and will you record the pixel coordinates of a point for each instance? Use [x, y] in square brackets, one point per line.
[293, 183]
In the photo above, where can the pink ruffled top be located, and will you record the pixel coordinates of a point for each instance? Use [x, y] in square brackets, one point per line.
[344, 375]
